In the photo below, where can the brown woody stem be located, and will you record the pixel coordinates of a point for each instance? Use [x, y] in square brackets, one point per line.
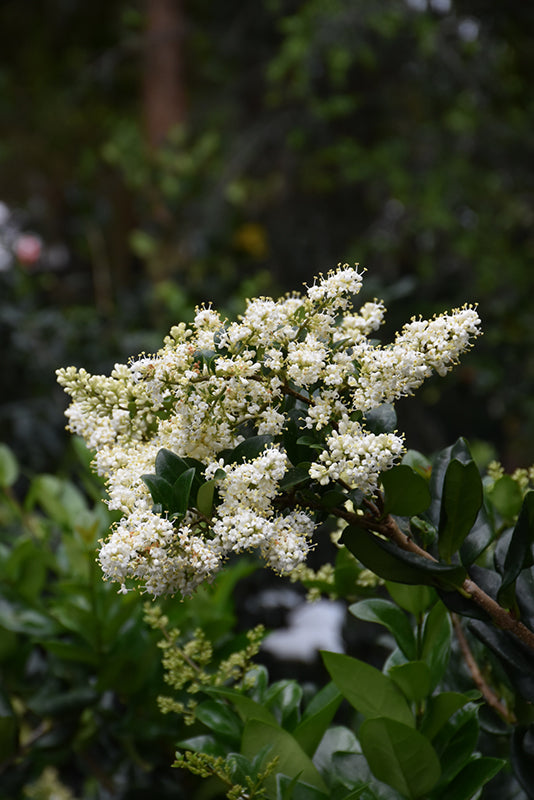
[487, 692]
[501, 617]
[388, 528]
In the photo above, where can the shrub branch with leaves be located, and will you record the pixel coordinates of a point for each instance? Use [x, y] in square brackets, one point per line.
[246, 436]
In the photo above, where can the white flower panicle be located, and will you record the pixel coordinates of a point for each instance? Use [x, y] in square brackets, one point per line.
[304, 360]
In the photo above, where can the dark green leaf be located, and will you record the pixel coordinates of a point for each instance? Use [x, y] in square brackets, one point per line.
[203, 744]
[461, 500]
[400, 756]
[310, 441]
[394, 564]
[367, 689]
[217, 716]
[415, 599]
[246, 707]
[283, 701]
[440, 708]
[413, 679]
[181, 491]
[292, 760]
[477, 540]
[519, 554]
[405, 492]
[293, 789]
[294, 477]
[471, 778]
[161, 491]
[436, 646]
[524, 590]
[317, 717]
[333, 499]
[456, 743]
[385, 613]
[517, 660]
[169, 466]
[460, 451]
[522, 755]
[248, 450]
[382, 419]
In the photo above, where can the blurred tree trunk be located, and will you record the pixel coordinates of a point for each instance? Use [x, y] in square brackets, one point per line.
[164, 102]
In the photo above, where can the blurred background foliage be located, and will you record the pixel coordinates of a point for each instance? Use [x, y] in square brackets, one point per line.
[167, 152]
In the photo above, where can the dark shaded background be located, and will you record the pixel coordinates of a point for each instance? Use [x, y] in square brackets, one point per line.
[170, 152]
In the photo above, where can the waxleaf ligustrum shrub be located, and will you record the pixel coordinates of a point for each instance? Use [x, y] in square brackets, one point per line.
[250, 436]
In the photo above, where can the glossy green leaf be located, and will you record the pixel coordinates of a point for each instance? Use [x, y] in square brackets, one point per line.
[415, 599]
[460, 451]
[292, 760]
[519, 554]
[337, 739]
[283, 700]
[248, 449]
[440, 708]
[413, 679]
[382, 419]
[418, 462]
[477, 540]
[367, 689]
[406, 493]
[394, 564]
[160, 490]
[471, 778]
[461, 500]
[385, 613]
[352, 770]
[436, 641]
[9, 468]
[169, 466]
[219, 718]
[456, 742]
[181, 491]
[294, 477]
[203, 744]
[205, 497]
[245, 706]
[293, 789]
[400, 756]
[317, 717]
[240, 767]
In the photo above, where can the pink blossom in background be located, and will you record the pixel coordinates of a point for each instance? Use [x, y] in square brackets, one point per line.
[28, 248]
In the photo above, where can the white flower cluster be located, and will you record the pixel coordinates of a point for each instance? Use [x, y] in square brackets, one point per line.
[355, 457]
[215, 384]
[245, 518]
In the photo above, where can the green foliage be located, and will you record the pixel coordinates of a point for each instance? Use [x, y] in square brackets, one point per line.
[80, 670]
[417, 726]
